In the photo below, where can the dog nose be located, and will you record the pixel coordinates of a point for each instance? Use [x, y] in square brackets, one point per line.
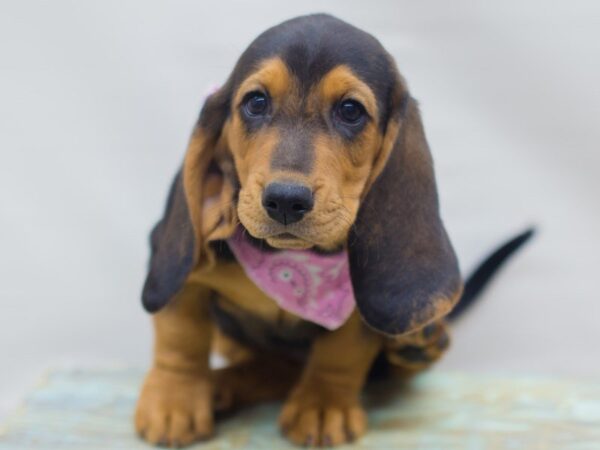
[287, 202]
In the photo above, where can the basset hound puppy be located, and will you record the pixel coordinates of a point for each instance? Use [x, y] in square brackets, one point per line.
[301, 238]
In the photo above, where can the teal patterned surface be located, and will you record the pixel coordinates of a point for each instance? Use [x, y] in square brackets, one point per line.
[92, 410]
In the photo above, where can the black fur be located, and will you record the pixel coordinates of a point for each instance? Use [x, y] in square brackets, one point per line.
[172, 244]
[313, 45]
[480, 278]
[243, 326]
[403, 268]
[394, 285]
[402, 264]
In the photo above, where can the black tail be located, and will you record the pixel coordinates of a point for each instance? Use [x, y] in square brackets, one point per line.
[486, 270]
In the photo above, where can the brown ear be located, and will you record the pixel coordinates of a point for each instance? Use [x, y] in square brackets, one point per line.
[199, 209]
[404, 270]
[209, 177]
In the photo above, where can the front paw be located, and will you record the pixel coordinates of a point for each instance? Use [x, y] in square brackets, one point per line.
[174, 409]
[323, 415]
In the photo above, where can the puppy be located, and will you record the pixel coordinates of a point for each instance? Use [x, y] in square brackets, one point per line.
[301, 237]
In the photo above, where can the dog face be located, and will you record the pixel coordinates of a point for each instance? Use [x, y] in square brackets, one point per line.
[314, 142]
[305, 123]
[303, 153]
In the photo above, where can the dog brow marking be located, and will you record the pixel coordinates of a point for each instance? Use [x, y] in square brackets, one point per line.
[271, 74]
[341, 81]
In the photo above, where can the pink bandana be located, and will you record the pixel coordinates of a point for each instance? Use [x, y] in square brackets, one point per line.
[313, 286]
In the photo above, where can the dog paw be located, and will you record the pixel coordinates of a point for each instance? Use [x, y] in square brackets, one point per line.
[174, 409]
[244, 384]
[322, 417]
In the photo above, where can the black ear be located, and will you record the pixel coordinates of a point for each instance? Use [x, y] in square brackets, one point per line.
[198, 209]
[404, 270]
[172, 251]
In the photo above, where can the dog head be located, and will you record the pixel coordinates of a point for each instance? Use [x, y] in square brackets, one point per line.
[315, 142]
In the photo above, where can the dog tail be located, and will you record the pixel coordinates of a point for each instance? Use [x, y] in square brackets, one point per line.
[478, 280]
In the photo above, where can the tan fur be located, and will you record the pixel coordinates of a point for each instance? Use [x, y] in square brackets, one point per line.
[229, 281]
[179, 416]
[431, 345]
[324, 407]
[329, 387]
[341, 82]
[209, 200]
[176, 403]
[439, 309]
[340, 171]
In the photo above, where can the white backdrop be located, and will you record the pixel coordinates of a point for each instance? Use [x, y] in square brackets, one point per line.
[97, 100]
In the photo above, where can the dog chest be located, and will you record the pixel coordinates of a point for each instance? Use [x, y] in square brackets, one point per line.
[245, 313]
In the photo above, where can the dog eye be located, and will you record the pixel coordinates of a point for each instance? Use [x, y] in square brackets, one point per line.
[256, 104]
[351, 111]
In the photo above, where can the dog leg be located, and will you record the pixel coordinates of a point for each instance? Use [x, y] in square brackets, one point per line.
[175, 404]
[260, 379]
[324, 408]
[242, 381]
[415, 352]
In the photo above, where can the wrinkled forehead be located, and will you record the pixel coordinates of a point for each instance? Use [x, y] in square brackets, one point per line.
[313, 46]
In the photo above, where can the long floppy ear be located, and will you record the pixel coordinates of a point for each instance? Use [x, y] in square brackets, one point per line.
[199, 208]
[404, 270]
[172, 244]
[209, 177]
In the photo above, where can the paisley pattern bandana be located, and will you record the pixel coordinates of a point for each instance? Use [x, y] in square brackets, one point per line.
[314, 286]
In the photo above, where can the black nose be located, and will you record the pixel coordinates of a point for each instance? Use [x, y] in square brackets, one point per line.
[287, 203]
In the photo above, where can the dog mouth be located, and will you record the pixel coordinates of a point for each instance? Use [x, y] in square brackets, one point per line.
[288, 241]
[285, 236]
[324, 227]
[296, 236]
